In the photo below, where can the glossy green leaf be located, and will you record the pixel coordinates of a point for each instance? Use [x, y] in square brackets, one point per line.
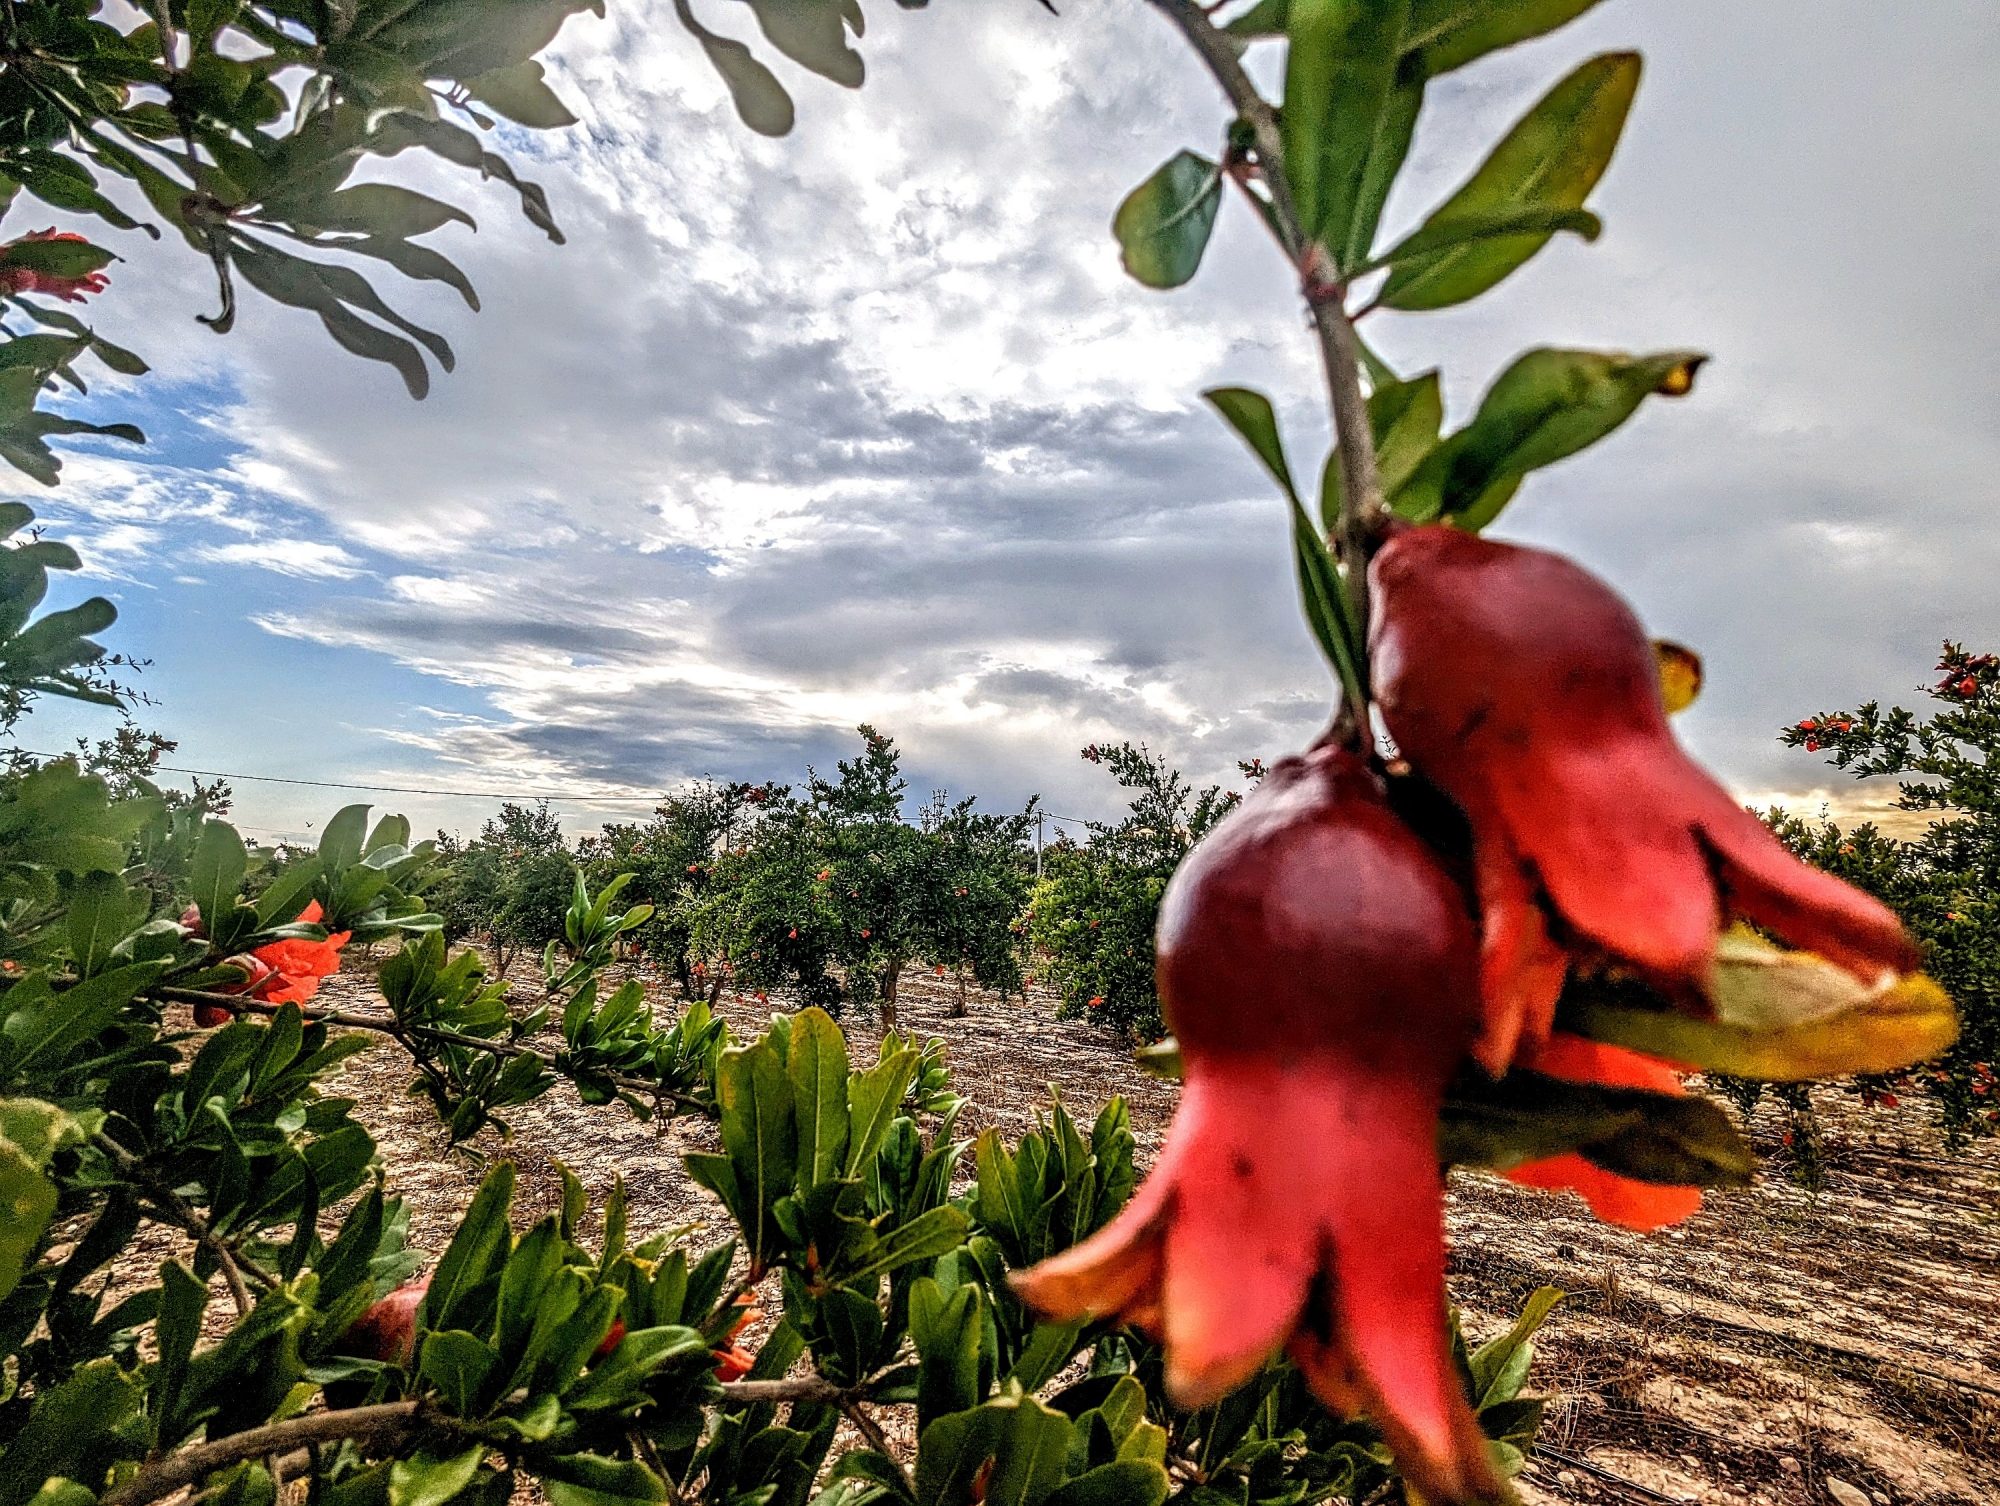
[759, 1133]
[946, 1332]
[1164, 224]
[1339, 73]
[1405, 418]
[480, 1244]
[1438, 236]
[817, 1065]
[1494, 1374]
[874, 1098]
[1545, 407]
[1124, 1482]
[1448, 34]
[422, 1480]
[1019, 1446]
[1550, 160]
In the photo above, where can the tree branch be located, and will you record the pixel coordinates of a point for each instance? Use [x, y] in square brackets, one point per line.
[1363, 514]
[177, 1211]
[380, 1426]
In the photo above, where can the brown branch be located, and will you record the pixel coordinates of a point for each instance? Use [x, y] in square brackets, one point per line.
[380, 1426]
[176, 1210]
[799, 1388]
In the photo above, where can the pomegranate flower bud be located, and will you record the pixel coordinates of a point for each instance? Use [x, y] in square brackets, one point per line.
[1317, 965]
[1521, 685]
[388, 1330]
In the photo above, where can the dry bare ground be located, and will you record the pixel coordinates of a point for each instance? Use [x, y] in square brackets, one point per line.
[1778, 1348]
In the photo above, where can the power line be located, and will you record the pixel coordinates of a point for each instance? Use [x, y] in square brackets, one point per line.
[388, 789]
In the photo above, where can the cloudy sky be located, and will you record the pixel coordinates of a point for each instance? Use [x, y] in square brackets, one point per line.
[867, 424]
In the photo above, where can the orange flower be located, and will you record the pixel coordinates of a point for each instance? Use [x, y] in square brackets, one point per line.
[1521, 686]
[297, 964]
[15, 280]
[1617, 1200]
[1318, 966]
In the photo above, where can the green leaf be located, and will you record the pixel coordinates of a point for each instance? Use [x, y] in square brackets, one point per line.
[924, 1237]
[593, 1480]
[1448, 34]
[1550, 160]
[761, 101]
[424, 1481]
[1339, 74]
[102, 913]
[1544, 408]
[1491, 1361]
[1779, 1017]
[946, 1331]
[1395, 126]
[760, 1134]
[1025, 1443]
[455, 1364]
[519, 93]
[481, 1242]
[27, 1203]
[1250, 414]
[1650, 1137]
[1125, 1482]
[1405, 418]
[1164, 224]
[873, 1098]
[56, 258]
[1438, 236]
[1322, 595]
[216, 873]
[340, 845]
[72, 1431]
[817, 1066]
[1049, 1348]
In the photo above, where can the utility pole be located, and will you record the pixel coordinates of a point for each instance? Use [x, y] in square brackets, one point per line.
[1038, 846]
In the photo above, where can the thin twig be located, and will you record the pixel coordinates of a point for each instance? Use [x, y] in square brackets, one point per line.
[799, 1388]
[872, 1431]
[176, 1210]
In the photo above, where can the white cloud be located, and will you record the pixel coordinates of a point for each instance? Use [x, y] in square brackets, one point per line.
[868, 423]
[309, 559]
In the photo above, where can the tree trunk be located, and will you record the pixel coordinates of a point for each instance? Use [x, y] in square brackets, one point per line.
[892, 977]
[959, 1009]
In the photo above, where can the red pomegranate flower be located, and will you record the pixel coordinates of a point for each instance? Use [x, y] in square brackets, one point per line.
[1524, 688]
[15, 280]
[1318, 966]
[1613, 1198]
[293, 967]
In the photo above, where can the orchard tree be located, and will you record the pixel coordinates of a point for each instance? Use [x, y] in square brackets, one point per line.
[1945, 884]
[511, 885]
[1090, 920]
[672, 859]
